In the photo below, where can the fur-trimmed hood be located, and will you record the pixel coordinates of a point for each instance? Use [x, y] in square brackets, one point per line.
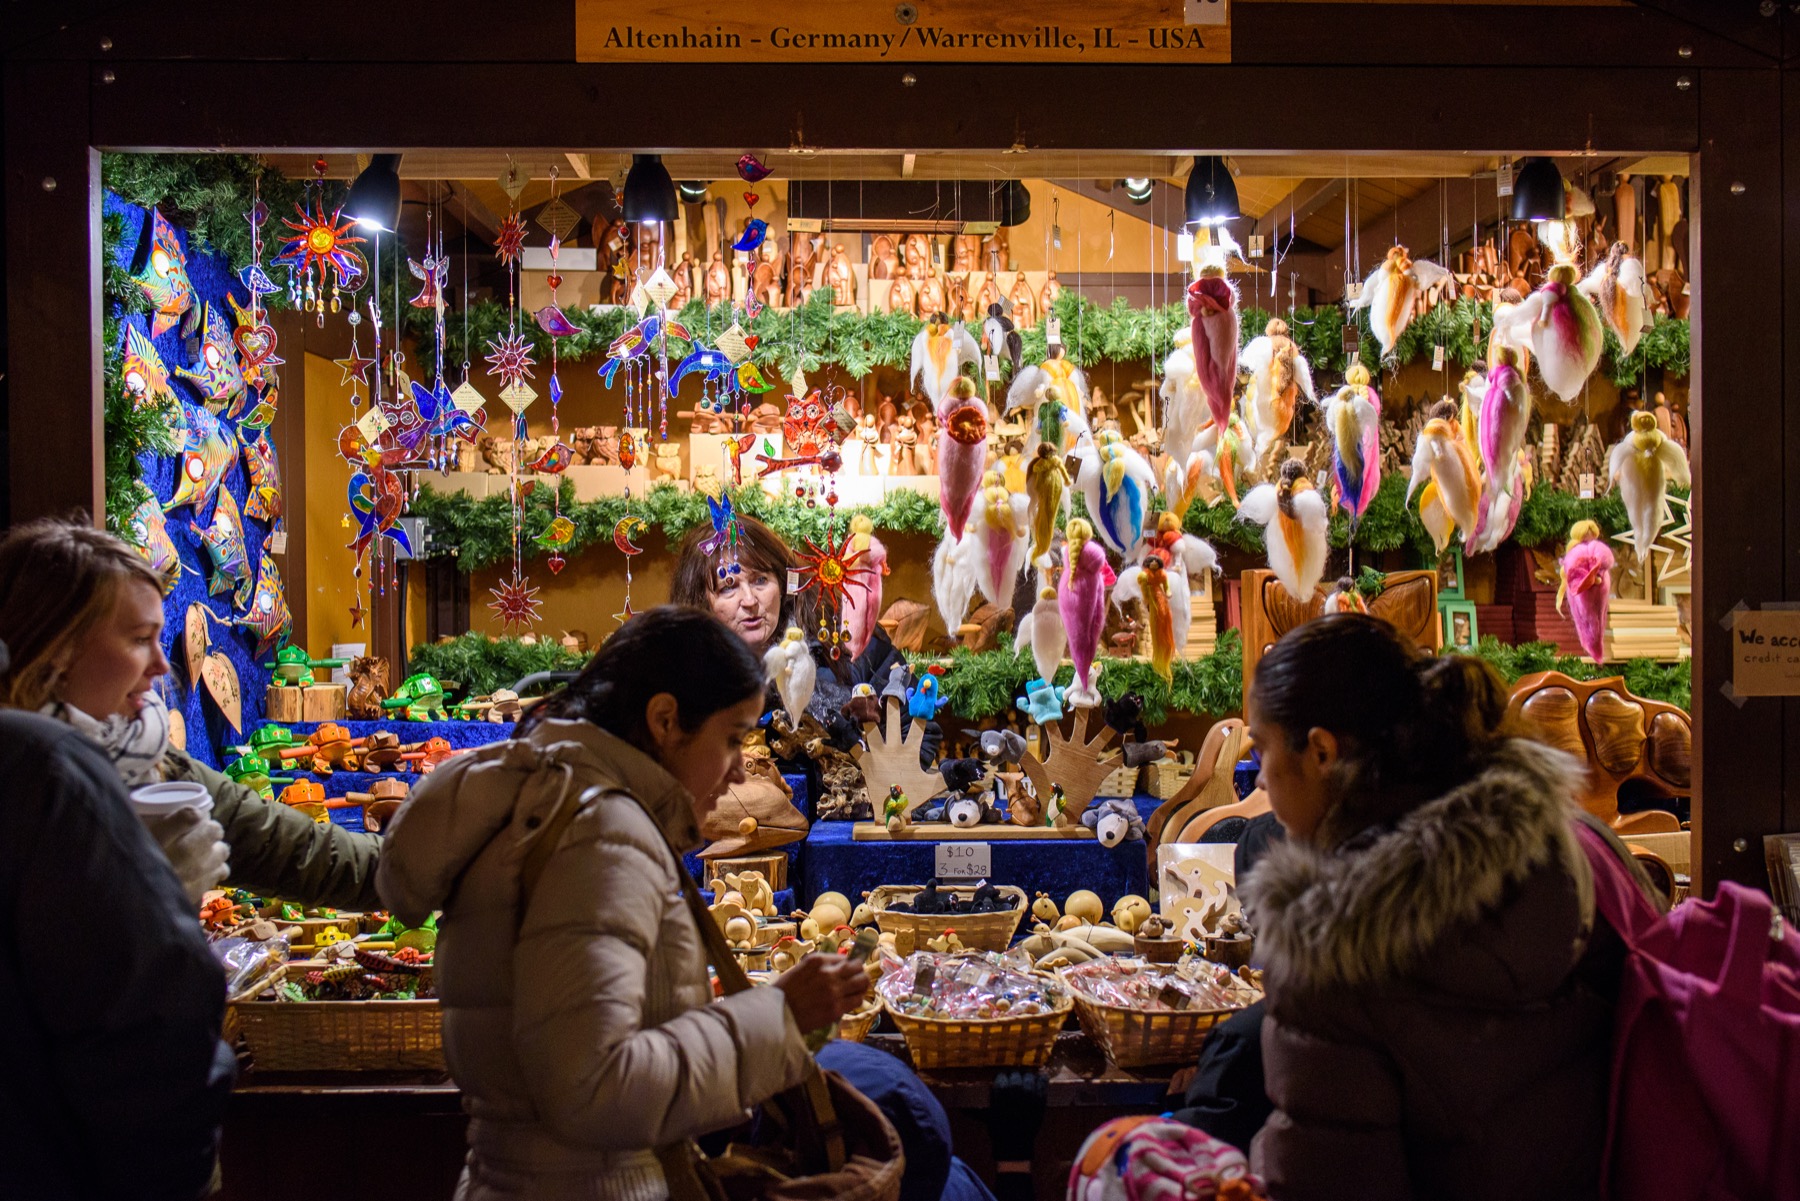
[1376, 912]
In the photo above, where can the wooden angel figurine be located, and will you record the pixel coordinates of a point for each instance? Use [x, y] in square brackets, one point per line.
[903, 296]
[933, 299]
[839, 277]
[684, 282]
[868, 437]
[802, 269]
[918, 254]
[1024, 310]
[906, 445]
[884, 262]
[1048, 293]
[717, 285]
[965, 251]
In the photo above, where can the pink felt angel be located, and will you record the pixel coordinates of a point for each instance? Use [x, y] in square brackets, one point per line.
[1587, 584]
[1212, 302]
[1087, 579]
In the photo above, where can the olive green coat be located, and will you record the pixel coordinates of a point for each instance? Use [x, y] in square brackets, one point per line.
[277, 851]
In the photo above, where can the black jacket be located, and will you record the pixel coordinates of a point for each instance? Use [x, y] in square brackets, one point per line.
[112, 1075]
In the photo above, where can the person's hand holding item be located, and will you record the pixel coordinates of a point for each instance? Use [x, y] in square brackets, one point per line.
[195, 846]
[823, 988]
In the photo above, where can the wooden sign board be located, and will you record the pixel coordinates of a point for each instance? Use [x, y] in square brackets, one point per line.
[1765, 652]
[877, 31]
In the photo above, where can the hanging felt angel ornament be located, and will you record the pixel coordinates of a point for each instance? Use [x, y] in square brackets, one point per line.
[862, 605]
[1081, 599]
[1279, 374]
[1353, 415]
[1047, 496]
[1505, 412]
[1499, 513]
[1183, 481]
[1587, 567]
[1187, 422]
[1212, 302]
[939, 354]
[1392, 291]
[1116, 483]
[1000, 336]
[1644, 463]
[790, 668]
[1562, 327]
[1054, 393]
[997, 522]
[1295, 524]
[956, 568]
[1184, 556]
[1042, 631]
[1617, 289]
[962, 451]
[1231, 461]
[1148, 582]
[1443, 467]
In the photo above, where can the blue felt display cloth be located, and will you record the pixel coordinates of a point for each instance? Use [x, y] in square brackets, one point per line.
[795, 851]
[207, 729]
[836, 862]
[458, 734]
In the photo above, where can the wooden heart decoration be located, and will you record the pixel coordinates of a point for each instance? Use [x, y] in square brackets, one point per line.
[222, 683]
[554, 280]
[255, 344]
[194, 639]
[750, 198]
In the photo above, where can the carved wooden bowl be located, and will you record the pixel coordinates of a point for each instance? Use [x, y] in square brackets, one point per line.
[1621, 737]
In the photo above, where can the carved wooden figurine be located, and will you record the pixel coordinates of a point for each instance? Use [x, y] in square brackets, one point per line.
[840, 278]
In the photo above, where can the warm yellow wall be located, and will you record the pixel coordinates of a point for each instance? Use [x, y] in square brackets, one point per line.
[328, 560]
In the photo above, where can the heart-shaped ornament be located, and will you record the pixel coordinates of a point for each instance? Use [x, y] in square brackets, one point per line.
[750, 198]
[750, 340]
[255, 344]
[222, 683]
[554, 280]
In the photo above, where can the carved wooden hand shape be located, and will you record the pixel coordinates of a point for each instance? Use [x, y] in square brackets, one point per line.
[1076, 761]
[893, 759]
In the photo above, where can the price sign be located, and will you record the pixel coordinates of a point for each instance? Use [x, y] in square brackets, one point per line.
[278, 542]
[1587, 485]
[991, 366]
[1053, 331]
[1437, 358]
[1503, 180]
[964, 860]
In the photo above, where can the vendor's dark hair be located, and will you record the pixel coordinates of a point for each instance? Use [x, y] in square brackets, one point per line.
[688, 654]
[1410, 725]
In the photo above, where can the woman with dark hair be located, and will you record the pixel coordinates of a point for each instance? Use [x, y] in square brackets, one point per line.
[1440, 994]
[754, 601]
[578, 1019]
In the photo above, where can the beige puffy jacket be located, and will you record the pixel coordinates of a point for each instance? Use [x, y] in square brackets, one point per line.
[588, 1036]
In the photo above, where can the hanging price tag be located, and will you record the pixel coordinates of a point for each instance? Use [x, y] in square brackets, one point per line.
[278, 542]
[1587, 485]
[1056, 236]
[1184, 247]
[1352, 340]
[1053, 330]
[1353, 291]
[466, 398]
[1503, 179]
[373, 424]
[991, 365]
[1437, 358]
[964, 860]
[1257, 246]
[518, 395]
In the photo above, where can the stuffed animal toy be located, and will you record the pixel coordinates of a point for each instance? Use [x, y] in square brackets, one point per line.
[1114, 821]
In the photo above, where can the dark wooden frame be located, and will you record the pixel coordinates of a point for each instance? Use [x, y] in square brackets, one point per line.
[1669, 76]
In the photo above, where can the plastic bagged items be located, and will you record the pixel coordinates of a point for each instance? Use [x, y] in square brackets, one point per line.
[1134, 984]
[981, 985]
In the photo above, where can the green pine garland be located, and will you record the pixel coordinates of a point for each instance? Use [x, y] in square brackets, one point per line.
[1669, 682]
[477, 664]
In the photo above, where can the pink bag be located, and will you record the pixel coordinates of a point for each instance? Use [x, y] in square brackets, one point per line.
[1705, 1102]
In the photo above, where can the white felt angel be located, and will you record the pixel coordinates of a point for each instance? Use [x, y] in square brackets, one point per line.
[1392, 291]
[789, 666]
[1644, 463]
[1279, 374]
[1617, 289]
[939, 354]
[1295, 525]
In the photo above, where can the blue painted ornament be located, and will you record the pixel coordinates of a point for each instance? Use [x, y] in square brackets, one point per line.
[755, 229]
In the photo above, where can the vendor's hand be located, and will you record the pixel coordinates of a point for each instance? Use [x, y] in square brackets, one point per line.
[931, 741]
[823, 988]
[195, 846]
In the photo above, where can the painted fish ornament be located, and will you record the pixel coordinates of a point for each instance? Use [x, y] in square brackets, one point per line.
[218, 376]
[206, 458]
[269, 615]
[1042, 631]
[223, 538]
[998, 520]
[939, 354]
[1562, 327]
[1081, 600]
[863, 605]
[263, 501]
[790, 668]
[142, 371]
[1279, 374]
[1353, 415]
[1047, 486]
[1644, 463]
[1116, 484]
[755, 230]
[1446, 471]
[712, 365]
[1505, 413]
[148, 531]
[1391, 294]
[1148, 583]
[1587, 567]
[1295, 523]
[1212, 302]
[160, 270]
[1617, 289]
[962, 451]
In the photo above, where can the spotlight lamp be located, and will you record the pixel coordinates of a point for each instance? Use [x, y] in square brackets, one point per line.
[649, 192]
[1211, 194]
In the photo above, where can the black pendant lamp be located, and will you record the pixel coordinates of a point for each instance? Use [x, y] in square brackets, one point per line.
[692, 190]
[1538, 191]
[374, 199]
[649, 192]
[1211, 195]
[1140, 191]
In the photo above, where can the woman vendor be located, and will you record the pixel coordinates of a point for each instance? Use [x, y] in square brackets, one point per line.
[754, 601]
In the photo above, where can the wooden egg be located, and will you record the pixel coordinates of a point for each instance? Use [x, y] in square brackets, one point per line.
[1086, 906]
[1130, 913]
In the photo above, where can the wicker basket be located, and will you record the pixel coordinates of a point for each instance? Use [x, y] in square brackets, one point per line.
[1022, 1042]
[854, 1026]
[1134, 1038]
[977, 931]
[342, 1036]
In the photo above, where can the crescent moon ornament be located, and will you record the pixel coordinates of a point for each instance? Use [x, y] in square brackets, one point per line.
[624, 530]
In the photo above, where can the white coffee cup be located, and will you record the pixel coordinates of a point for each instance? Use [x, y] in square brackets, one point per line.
[160, 800]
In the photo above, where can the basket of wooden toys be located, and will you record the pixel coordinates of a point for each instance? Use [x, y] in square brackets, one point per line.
[1144, 1013]
[985, 917]
[855, 1025]
[367, 1011]
[970, 1010]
